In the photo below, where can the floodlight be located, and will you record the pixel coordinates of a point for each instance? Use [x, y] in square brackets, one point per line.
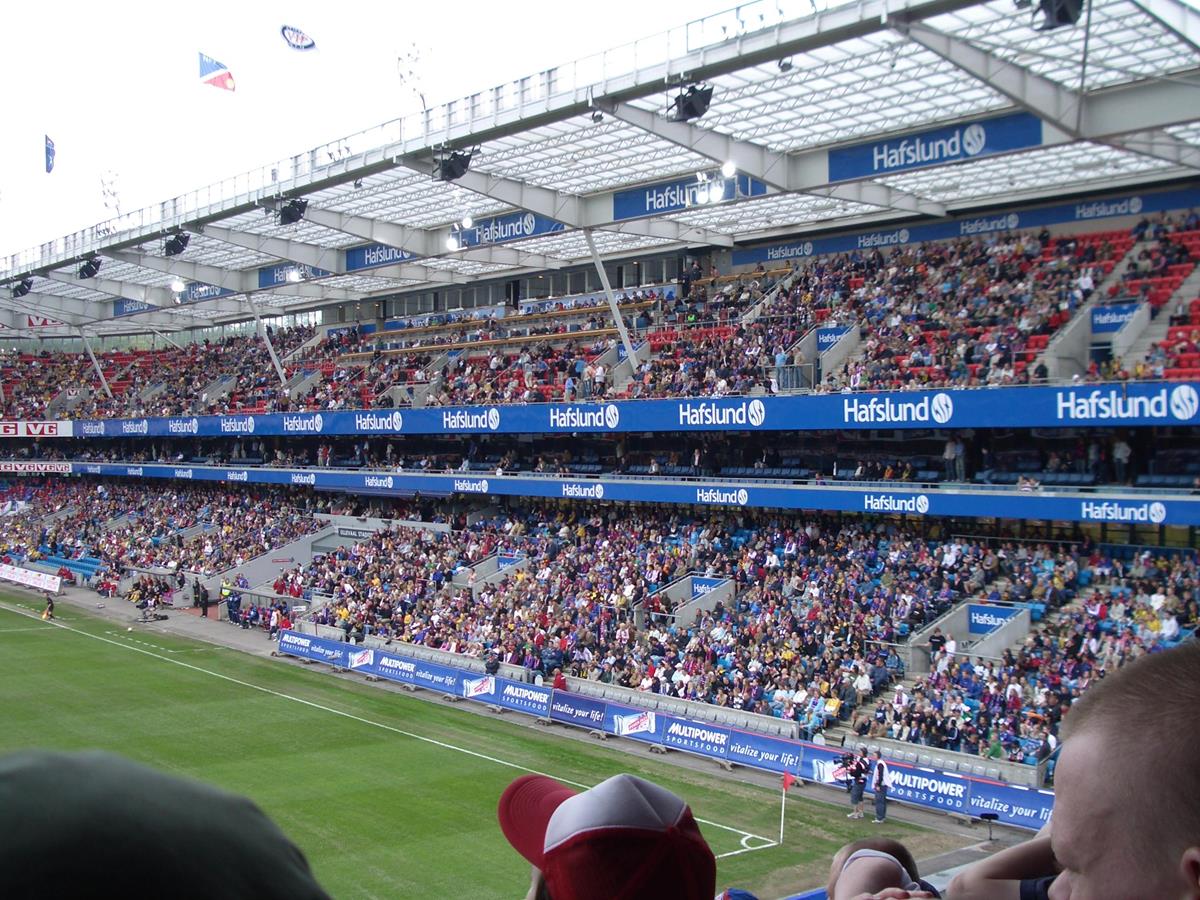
[452, 166]
[176, 244]
[692, 103]
[292, 212]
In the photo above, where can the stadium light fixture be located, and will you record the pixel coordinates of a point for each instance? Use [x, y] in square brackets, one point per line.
[453, 165]
[691, 103]
[728, 168]
[467, 221]
[294, 275]
[22, 287]
[785, 65]
[292, 211]
[176, 244]
[452, 243]
[597, 116]
[178, 286]
[90, 267]
[1053, 13]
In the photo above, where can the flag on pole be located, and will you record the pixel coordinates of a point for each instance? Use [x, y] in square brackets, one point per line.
[49, 155]
[788, 780]
[215, 73]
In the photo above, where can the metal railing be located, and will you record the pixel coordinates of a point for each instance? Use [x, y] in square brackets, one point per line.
[813, 481]
[558, 87]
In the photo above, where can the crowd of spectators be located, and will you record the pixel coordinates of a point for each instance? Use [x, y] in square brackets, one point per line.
[125, 526]
[965, 312]
[809, 637]
[536, 373]
[817, 602]
[1010, 708]
[975, 311]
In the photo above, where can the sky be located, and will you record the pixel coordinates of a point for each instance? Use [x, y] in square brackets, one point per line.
[116, 86]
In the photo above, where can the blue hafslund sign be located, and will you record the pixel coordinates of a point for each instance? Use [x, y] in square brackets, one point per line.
[1113, 317]
[1006, 504]
[1092, 406]
[988, 223]
[682, 193]
[986, 619]
[702, 585]
[827, 337]
[955, 143]
[928, 788]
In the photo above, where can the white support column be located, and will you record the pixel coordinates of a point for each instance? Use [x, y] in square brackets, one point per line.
[262, 329]
[92, 356]
[611, 297]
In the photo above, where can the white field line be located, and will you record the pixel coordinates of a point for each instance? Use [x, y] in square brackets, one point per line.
[347, 715]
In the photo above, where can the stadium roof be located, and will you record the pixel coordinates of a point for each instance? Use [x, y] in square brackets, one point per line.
[793, 98]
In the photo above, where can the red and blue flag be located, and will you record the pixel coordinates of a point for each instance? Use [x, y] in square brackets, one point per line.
[215, 73]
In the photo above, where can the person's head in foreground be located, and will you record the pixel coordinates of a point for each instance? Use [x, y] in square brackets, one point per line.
[624, 839]
[874, 865]
[91, 824]
[1127, 785]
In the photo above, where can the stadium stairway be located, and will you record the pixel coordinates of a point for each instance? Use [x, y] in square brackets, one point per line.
[1156, 331]
[1099, 295]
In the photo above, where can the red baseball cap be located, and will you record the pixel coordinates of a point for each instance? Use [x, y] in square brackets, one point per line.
[625, 839]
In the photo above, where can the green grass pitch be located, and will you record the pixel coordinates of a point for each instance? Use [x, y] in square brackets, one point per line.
[383, 792]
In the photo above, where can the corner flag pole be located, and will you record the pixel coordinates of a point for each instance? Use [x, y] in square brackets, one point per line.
[788, 780]
[782, 811]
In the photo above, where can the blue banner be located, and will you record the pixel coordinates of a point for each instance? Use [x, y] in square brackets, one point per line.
[986, 619]
[827, 337]
[372, 256]
[682, 193]
[702, 585]
[197, 291]
[770, 753]
[1112, 317]
[928, 788]
[987, 223]
[505, 561]
[316, 649]
[1021, 806]
[1121, 404]
[635, 724]
[405, 670]
[575, 709]
[937, 146]
[696, 737]
[521, 697]
[49, 155]
[514, 226]
[1005, 504]
[273, 276]
[125, 307]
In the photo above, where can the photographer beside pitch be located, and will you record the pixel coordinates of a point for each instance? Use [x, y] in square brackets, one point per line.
[856, 771]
